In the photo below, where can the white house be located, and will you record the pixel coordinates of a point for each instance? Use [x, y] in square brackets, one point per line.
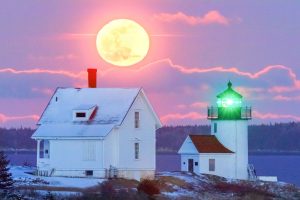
[225, 151]
[97, 132]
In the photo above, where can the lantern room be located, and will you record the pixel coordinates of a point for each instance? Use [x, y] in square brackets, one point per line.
[229, 106]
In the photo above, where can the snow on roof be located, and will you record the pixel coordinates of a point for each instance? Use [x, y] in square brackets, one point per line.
[112, 107]
[72, 130]
[208, 144]
[85, 107]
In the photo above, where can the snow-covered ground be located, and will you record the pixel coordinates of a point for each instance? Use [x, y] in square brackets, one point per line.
[173, 185]
[23, 176]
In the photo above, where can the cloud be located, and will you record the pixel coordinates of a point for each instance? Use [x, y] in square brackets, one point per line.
[286, 98]
[45, 91]
[199, 104]
[182, 69]
[172, 117]
[62, 57]
[211, 17]
[275, 116]
[5, 118]
[178, 116]
[198, 70]
[81, 74]
[254, 93]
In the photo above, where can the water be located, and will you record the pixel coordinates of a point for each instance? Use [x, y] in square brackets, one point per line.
[284, 166]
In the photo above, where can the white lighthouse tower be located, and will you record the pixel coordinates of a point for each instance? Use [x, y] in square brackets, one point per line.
[229, 123]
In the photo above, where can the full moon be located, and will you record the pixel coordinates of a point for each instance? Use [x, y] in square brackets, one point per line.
[122, 42]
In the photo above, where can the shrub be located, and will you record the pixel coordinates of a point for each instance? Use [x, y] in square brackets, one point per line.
[107, 190]
[149, 187]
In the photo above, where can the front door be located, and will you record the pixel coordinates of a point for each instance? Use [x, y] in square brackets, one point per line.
[191, 165]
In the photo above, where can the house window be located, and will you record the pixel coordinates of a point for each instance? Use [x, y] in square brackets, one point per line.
[196, 163]
[89, 172]
[46, 149]
[80, 114]
[215, 127]
[212, 166]
[136, 119]
[136, 150]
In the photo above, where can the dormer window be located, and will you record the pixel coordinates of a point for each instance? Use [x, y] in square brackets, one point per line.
[84, 112]
[80, 114]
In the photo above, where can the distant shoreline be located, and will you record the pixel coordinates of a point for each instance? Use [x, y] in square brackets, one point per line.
[250, 153]
[171, 152]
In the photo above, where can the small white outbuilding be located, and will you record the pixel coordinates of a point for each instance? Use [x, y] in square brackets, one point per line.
[204, 154]
[225, 151]
[97, 132]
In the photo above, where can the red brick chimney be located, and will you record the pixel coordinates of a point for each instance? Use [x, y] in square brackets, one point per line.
[92, 77]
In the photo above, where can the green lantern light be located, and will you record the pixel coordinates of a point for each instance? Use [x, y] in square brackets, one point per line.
[229, 103]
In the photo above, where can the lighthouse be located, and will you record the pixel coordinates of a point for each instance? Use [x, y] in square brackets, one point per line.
[229, 123]
[223, 152]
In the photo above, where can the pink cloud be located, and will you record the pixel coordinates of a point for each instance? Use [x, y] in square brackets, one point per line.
[286, 98]
[177, 116]
[194, 70]
[252, 93]
[249, 93]
[5, 118]
[46, 91]
[166, 119]
[199, 104]
[56, 57]
[282, 89]
[212, 17]
[180, 68]
[275, 116]
[81, 74]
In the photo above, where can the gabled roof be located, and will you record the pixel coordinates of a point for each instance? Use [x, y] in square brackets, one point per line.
[229, 92]
[112, 106]
[112, 103]
[208, 144]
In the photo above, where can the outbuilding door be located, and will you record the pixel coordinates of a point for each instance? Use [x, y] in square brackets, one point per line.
[191, 165]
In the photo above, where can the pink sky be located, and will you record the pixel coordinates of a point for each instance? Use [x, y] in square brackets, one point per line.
[195, 48]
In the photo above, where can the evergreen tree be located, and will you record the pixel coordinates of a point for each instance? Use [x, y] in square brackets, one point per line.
[6, 181]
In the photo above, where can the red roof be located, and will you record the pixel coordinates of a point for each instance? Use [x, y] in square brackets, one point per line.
[208, 144]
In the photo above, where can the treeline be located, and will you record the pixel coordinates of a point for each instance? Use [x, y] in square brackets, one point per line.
[16, 139]
[276, 137]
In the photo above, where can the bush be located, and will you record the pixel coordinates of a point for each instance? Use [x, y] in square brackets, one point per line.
[149, 187]
[107, 190]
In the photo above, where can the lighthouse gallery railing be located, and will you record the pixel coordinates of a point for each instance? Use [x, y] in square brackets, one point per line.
[213, 112]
